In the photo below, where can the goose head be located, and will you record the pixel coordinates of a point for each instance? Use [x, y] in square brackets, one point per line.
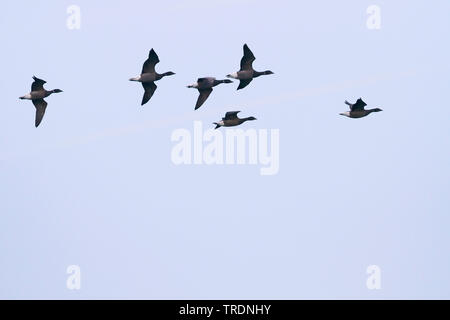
[56, 91]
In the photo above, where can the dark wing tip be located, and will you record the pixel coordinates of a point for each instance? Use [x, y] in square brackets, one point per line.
[230, 115]
[243, 83]
[149, 90]
[152, 54]
[247, 49]
[202, 97]
[199, 103]
[38, 80]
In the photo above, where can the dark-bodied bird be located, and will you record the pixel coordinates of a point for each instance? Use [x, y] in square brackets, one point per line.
[205, 87]
[37, 95]
[148, 76]
[357, 109]
[246, 74]
[231, 119]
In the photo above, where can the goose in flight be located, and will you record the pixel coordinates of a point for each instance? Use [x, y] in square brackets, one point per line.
[205, 87]
[37, 95]
[357, 109]
[246, 74]
[231, 119]
[148, 76]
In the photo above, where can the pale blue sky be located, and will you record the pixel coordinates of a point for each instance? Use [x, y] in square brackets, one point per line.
[94, 185]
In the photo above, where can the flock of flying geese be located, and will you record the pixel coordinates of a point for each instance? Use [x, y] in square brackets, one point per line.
[205, 85]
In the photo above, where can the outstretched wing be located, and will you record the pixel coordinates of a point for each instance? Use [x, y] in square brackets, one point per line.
[40, 105]
[247, 59]
[205, 79]
[243, 83]
[358, 105]
[231, 115]
[149, 88]
[149, 64]
[204, 94]
[38, 84]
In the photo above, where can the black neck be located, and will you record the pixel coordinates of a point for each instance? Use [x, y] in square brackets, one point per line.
[260, 73]
[160, 75]
[216, 82]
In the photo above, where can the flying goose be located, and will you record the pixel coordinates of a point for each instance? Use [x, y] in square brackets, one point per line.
[246, 74]
[205, 87]
[37, 95]
[149, 76]
[231, 119]
[357, 109]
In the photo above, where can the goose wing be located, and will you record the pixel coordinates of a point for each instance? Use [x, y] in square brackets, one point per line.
[204, 94]
[38, 84]
[247, 59]
[231, 115]
[40, 105]
[243, 83]
[149, 88]
[206, 80]
[149, 64]
[358, 105]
